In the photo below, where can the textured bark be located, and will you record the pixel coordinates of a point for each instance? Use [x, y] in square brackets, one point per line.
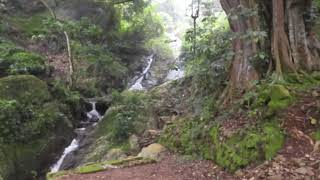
[304, 53]
[242, 72]
[294, 47]
[280, 43]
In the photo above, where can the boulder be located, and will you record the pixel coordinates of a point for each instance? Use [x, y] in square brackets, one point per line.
[42, 128]
[152, 151]
[114, 154]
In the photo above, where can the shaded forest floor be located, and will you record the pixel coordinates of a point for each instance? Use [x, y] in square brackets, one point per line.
[298, 159]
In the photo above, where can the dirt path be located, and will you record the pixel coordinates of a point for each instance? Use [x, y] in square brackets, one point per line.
[170, 168]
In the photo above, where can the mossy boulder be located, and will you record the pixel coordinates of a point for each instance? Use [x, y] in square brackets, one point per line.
[191, 137]
[280, 97]
[31, 126]
[250, 146]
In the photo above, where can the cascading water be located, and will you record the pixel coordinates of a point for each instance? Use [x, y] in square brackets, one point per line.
[175, 44]
[138, 84]
[93, 117]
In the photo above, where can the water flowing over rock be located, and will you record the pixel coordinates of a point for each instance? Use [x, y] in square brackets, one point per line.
[68, 159]
[138, 84]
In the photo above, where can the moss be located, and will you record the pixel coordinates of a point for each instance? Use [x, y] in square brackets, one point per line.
[102, 166]
[255, 144]
[29, 118]
[316, 135]
[26, 89]
[91, 168]
[252, 145]
[280, 97]
[53, 176]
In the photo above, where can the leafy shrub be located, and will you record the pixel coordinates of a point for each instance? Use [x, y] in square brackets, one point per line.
[14, 60]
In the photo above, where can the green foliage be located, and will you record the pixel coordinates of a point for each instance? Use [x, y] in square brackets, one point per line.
[213, 42]
[128, 115]
[25, 108]
[14, 60]
[144, 24]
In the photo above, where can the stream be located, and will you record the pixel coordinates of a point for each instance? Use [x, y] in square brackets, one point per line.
[93, 117]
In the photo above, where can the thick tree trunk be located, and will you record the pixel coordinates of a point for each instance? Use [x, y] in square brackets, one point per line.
[242, 72]
[281, 51]
[304, 54]
[294, 47]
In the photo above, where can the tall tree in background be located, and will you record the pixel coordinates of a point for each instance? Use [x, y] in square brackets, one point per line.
[242, 71]
[294, 47]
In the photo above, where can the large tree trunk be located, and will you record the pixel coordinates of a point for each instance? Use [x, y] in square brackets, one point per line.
[294, 47]
[242, 72]
[305, 57]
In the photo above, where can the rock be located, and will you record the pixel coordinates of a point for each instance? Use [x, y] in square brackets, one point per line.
[133, 141]
[114, 154]
[152, 151]
[46, 130]
[305, 171]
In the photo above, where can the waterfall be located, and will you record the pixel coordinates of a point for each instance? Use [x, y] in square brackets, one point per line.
[93, 117]
[175, 45]
[72, 147]
[137, 85]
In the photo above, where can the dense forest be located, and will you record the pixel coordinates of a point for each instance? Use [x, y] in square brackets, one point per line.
[159, 89]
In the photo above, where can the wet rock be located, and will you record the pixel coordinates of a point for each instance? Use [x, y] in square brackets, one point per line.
[152, 151]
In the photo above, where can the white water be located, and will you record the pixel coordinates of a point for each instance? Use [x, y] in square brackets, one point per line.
[175, 45]
[74, 145]
[94, 113]
[137, 85]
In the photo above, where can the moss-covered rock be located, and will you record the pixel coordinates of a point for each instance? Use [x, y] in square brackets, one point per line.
[253, 145]
[280, 97]
[31, 126]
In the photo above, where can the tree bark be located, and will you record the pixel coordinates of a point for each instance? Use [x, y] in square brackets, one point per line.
[305, 56]
[242, 72]
[281, 51]
[294, 47]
